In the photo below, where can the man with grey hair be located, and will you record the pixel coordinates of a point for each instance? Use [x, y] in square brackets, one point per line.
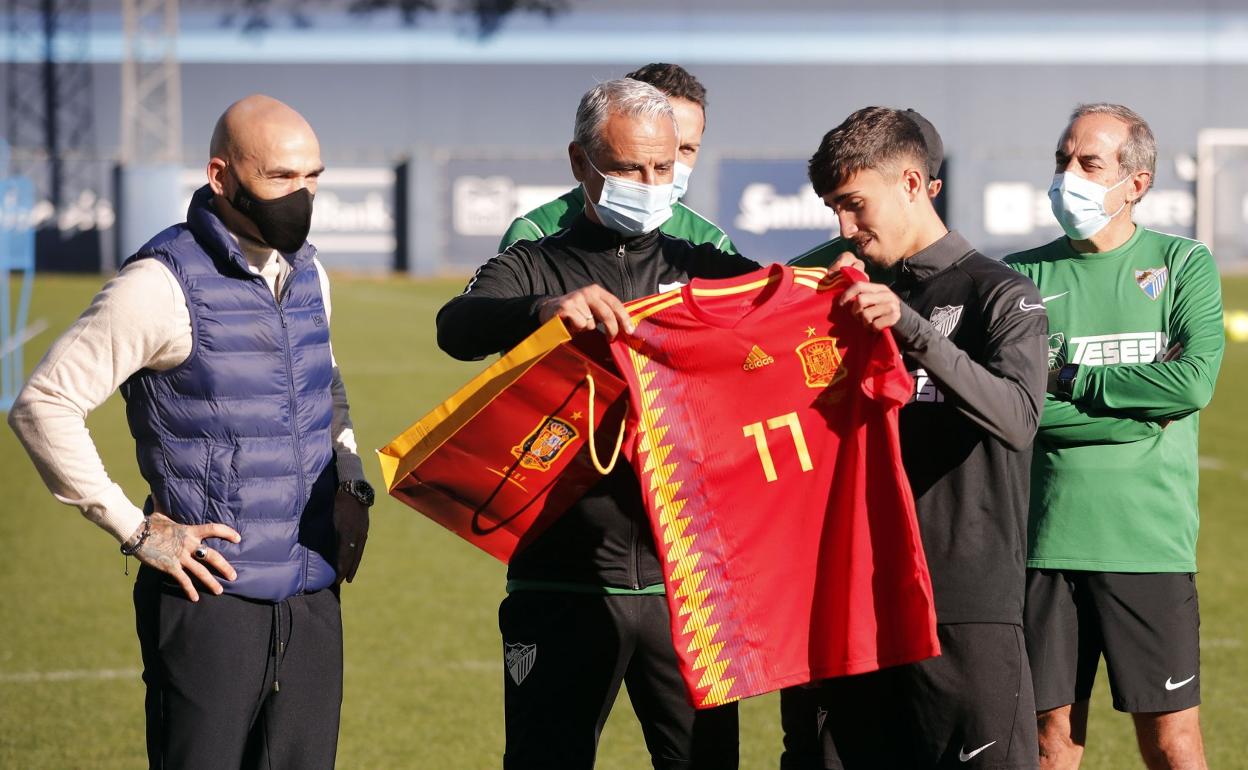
[585, 610]
[1136, 340]
[688, 99]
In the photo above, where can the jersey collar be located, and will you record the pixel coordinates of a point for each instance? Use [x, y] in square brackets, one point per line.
[767, 288]
[936, 258]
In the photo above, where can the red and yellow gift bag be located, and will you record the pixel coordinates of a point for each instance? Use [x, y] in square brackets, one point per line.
[500, 460]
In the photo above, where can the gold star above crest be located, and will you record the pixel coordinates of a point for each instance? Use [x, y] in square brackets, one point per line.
[810, 331]
[576, 415]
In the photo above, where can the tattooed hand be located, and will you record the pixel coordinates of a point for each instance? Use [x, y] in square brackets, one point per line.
[171, 548]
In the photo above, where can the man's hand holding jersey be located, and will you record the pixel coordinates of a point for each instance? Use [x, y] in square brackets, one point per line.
[586, 309]
[872, 303]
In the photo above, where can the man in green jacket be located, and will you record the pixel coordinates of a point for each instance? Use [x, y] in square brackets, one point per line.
[688, 100]
[826, 253]
[1136, 339]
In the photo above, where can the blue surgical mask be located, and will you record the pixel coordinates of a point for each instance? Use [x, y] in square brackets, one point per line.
[680, 180]
[631, 208]
[1079, 205]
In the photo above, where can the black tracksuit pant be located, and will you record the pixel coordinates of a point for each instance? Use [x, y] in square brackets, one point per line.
[565, 656]
[236, 683]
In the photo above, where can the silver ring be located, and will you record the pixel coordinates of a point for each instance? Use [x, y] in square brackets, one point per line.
[201, 553]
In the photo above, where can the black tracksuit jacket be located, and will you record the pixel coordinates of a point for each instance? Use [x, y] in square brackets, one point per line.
[974, 335]
[605, 538]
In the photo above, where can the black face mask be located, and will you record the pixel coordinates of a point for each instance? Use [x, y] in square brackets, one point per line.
[283, 222]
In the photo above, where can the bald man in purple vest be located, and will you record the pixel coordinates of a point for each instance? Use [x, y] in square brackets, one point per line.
[256, 509]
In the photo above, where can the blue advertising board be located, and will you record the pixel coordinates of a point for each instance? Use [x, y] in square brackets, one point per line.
[769, 209]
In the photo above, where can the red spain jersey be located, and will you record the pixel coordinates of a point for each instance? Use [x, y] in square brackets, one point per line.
[764, 433]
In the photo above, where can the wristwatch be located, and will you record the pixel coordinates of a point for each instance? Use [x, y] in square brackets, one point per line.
[1066, 381]
[361, 490]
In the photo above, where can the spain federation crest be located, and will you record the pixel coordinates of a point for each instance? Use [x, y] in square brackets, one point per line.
[542, 447]
[821, 361]
[519, 659]
[945, 318]
[1152, 281]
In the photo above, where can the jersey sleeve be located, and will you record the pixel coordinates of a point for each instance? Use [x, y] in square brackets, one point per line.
[725, 244]
[1175, 388]
[1064, 424]
[1004, 394]
[521, 229]
[497, 309]
[885, 378]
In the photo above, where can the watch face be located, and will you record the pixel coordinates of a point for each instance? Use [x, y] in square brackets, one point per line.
[360, 490]
[1066, 378]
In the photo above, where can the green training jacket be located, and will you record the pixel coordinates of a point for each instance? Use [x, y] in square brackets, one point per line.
[1115, 469]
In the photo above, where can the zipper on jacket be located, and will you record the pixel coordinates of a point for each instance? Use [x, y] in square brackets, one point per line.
[294, 409]
[634, 532]
[626, 279]
[635, 548]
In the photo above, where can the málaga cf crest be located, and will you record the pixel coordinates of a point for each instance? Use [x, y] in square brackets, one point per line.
[519, 659]
[1152, 281]
[821, 361]
[946, 318]
[544, 445]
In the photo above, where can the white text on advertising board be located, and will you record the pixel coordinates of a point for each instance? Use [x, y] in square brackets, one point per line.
[1020, 208]
[486, 206]
[762, 209]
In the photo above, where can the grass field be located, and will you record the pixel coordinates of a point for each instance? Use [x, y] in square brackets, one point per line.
[423, 662]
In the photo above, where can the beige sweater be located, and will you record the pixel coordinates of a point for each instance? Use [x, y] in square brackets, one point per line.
[138, 320]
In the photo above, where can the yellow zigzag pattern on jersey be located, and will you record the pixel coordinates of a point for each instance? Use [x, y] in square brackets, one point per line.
[672, 525]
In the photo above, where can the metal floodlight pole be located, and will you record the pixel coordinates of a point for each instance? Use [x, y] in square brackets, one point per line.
[48, 95]
[151, 88]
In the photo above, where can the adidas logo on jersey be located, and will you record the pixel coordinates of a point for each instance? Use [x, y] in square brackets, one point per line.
[757, 359]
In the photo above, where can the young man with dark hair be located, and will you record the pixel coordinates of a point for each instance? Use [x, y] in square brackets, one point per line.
[826, 253]
[688, 99]
[973, 334]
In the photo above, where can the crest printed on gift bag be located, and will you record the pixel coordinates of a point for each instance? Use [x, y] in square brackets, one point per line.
[1152, 281]
[519, 659]
[945, 318]
[543, 446]
[821, 361]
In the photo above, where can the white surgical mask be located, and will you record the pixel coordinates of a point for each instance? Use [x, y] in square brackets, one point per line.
[680, 180]
[1079, 205]
[631, 208]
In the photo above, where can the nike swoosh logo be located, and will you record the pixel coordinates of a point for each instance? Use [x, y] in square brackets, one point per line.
[1176, 685]
[1055, 296]
[1023, 306]
[666, 287]
[964, 756]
